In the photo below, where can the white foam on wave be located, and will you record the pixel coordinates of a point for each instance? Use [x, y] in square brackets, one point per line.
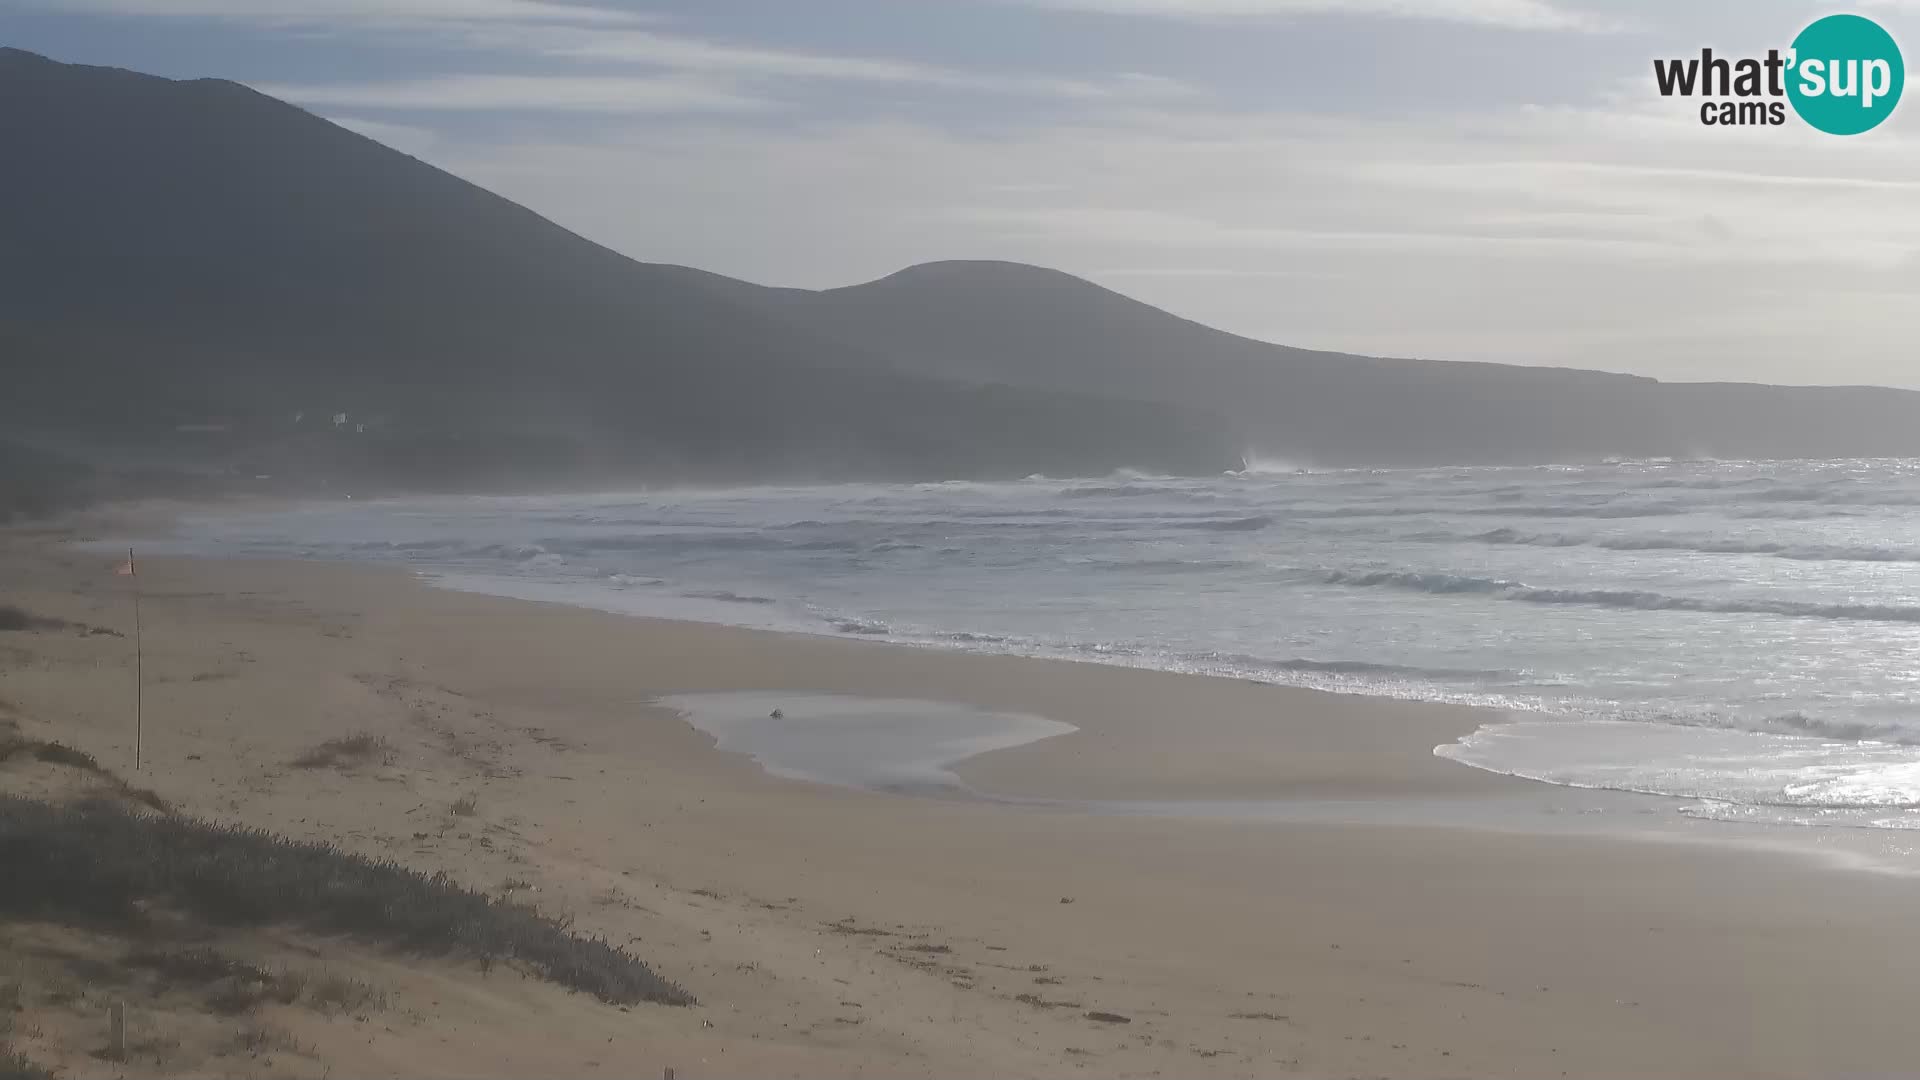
[1701, 544]
[1736, 775]
[1253, 463]
[1443, 584]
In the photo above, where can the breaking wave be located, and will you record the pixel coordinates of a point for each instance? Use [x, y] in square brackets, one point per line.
[1364, 667]
[1798, 723]
[1163, 566]
[1624, 599]
[1706, 546]
[670, 543]
[1138, 491]
[1836, 495]
[1245, 524]
[728, 597]
[1601, 510]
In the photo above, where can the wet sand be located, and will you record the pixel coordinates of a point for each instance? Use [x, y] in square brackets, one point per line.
[829, 930]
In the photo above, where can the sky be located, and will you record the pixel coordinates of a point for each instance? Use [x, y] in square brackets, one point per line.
[1454, 179]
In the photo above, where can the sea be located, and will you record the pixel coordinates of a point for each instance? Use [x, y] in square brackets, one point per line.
[1741, 636]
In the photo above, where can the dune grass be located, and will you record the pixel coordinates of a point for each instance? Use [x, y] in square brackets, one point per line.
[345, 752]
[62, 754]
[231, 987]
[15, 1066]
[96, 863]
[13, 617]
[17, 618]
[12, 743]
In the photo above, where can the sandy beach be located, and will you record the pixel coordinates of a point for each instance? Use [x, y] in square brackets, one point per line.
[829, 931]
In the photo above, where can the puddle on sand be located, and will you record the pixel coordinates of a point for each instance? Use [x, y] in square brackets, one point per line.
[882, 744]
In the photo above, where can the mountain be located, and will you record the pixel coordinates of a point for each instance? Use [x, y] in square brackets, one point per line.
[189, 266]
[1034, 327]
[197, 276]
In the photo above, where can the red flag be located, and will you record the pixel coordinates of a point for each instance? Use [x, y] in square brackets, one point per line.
[125, 569]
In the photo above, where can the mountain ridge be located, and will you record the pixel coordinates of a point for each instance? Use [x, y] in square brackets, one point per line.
[1045, 328]
[234, 265]
[261, 262]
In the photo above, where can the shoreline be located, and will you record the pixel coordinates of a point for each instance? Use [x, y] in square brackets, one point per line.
[1440, 791]
[158, 518]
[1559, 750]
[1445, 721]
[834, 930]
[1504, 794]
[1398, 725]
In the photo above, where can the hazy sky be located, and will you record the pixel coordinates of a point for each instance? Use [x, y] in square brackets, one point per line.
[1459, 179]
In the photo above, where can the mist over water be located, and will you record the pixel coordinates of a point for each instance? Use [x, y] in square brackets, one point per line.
[1745, 633]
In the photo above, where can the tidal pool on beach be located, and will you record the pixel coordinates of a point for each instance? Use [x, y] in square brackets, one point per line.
[882, 744]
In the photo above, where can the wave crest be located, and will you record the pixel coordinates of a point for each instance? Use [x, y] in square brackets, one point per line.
[1706, 546]
[728, 597]
[1245, 524]
[1625, 599]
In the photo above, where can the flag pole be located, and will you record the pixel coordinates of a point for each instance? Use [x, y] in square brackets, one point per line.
[139, 665]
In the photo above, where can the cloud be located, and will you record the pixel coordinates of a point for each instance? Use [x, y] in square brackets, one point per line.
[1109, 272]
[539, 93]
[1602, 238]
[723, 76]
[1518, 14]
[696, 54]
[708, 88]
[1524, 185]
[355, 11]
[747, 63]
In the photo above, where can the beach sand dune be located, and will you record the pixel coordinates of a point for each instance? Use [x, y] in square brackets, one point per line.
[833, 931]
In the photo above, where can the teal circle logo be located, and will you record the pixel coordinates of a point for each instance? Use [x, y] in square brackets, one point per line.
[1846, 74]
